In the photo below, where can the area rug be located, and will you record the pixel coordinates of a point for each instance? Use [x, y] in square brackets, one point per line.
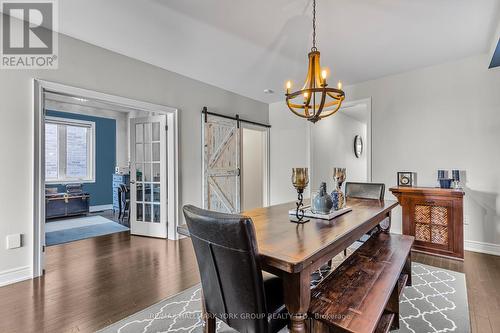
[435, 303]
[73, 229]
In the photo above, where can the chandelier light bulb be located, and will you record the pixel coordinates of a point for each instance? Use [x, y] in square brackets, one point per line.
[288, 84]
[339, 85]
[324, 74]
[306, 95]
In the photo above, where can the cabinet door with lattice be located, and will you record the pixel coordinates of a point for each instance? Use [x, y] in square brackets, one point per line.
[432, 223]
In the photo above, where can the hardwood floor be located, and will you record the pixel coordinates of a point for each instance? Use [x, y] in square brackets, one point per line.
[482, 274]
[92, 283]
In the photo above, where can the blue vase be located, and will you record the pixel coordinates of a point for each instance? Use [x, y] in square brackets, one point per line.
[322, 203]
[338, 199]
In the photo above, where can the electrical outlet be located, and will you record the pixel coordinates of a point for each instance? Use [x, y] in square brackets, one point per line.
[14, 241]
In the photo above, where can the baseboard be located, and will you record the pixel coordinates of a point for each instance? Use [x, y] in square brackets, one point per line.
[15, 275]
[482, 247]
[100, 208]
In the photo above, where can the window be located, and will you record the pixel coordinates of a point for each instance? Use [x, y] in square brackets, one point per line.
[69, 150]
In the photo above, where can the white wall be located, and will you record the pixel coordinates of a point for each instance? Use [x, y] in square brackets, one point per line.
[332, 145]
[445, 116]
[253, 169]
[289, 149]
[90, 67]
[295, 142]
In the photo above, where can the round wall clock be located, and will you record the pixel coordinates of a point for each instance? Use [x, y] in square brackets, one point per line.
[358, 146]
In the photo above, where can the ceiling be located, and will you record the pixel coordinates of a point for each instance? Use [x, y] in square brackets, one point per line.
[248, 46]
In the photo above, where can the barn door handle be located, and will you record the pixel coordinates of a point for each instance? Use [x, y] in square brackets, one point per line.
[239, 172]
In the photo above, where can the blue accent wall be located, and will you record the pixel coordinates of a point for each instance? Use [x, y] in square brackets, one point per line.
[495, 61]
[101, 192]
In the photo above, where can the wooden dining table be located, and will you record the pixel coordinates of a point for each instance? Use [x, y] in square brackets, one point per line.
[294, 251]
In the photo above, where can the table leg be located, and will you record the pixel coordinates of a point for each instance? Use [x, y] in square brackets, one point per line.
[297, 299]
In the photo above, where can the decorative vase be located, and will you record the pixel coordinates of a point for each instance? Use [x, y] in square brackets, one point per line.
[322, 202]
[337, 195]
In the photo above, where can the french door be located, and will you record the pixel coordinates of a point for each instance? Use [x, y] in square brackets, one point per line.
[221, 164]
[148, 174]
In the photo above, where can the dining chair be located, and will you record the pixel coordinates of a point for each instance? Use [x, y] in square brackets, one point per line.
[124, 203]
[235, 289]
[372, 191]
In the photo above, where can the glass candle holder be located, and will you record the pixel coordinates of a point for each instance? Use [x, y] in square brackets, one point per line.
[300, 180]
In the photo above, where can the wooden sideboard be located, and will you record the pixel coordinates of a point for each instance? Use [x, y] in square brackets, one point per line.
[434, 216]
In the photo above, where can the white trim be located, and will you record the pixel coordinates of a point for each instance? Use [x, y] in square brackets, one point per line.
[39, 88]
[482, 247]
[100, 208]
[14, 275]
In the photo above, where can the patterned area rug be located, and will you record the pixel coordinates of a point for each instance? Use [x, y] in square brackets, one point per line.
[435, 303]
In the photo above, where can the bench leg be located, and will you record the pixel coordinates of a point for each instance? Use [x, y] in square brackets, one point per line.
[407, 269]
[393, 307]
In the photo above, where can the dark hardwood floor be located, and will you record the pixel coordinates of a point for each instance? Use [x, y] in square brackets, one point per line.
[92, 283]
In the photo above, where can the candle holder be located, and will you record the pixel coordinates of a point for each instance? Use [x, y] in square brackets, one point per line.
[455, 174]
[338, 197]
[300, 180]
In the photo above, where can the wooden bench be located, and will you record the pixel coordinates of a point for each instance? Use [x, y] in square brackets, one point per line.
[362, 294]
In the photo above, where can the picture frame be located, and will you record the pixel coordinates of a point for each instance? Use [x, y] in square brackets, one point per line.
[406, 178]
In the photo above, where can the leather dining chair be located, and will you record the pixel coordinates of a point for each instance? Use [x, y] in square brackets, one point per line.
[372, 191]
[235, 289]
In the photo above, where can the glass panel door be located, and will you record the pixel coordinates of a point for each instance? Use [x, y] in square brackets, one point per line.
[148, 176]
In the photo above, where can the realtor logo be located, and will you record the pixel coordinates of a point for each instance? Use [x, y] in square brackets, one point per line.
[29, 40]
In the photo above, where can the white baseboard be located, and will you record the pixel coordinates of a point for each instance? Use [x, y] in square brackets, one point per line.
[15, 275]
[100, 208]
[482, 247]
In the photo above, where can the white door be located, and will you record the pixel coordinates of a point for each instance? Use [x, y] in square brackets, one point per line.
[148, 176]
[221, 164]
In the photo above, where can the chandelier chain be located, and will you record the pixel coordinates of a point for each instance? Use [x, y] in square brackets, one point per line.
[314, 27]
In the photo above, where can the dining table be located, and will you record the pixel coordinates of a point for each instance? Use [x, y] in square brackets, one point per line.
[294, 251]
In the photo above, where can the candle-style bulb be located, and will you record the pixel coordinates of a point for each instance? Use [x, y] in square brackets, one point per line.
[288, 84]
[324, 73]
[339, 85]
[306, 95]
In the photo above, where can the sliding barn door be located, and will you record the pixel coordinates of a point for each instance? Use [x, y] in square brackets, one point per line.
[221, 164]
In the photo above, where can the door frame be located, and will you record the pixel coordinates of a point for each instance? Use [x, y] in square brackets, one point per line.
[42, 86]
[267, 169]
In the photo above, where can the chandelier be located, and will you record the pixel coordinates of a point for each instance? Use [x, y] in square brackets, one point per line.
[315, 100]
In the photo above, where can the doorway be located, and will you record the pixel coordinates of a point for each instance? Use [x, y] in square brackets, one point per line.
[254, 162]
[69, 166]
